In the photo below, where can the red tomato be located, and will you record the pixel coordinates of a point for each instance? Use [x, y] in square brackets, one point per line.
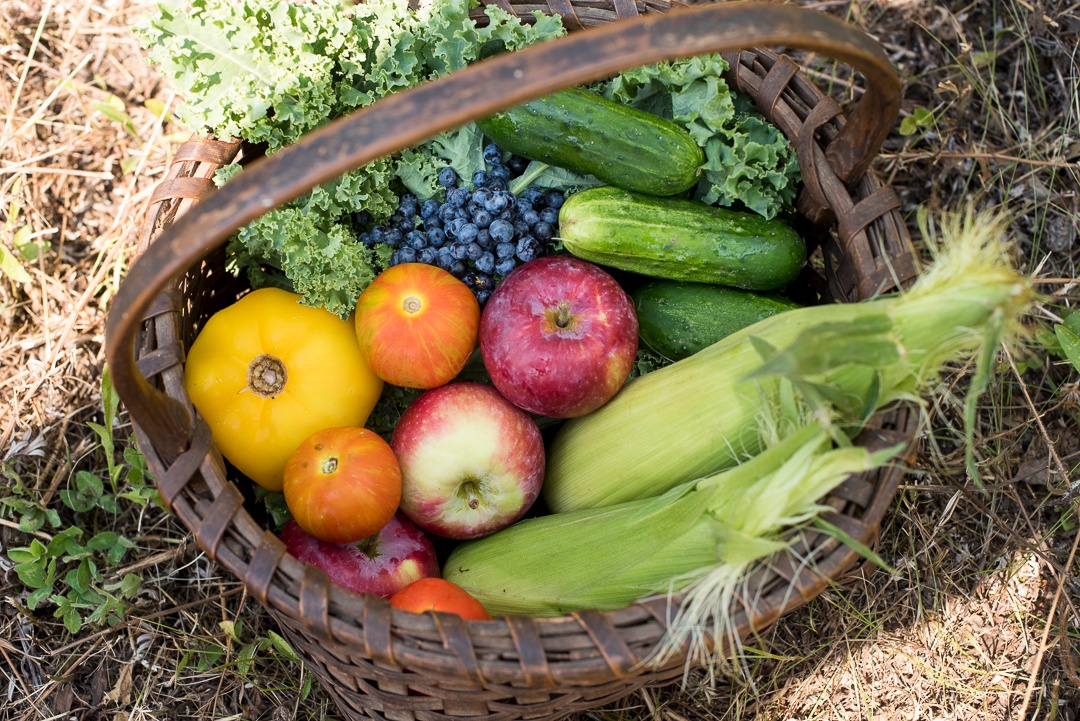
[342, 484]
[417, 325]
[436, 594]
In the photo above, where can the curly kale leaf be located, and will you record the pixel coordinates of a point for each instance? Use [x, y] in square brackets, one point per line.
[270, 71]
[748, 160]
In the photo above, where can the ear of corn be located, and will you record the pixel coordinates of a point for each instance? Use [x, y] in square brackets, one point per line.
[604, 558]
[701, 414]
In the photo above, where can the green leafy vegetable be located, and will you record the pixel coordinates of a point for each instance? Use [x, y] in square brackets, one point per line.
[269, 72]
[748, 160]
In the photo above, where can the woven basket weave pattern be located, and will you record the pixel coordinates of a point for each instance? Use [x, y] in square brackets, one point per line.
[382, 663]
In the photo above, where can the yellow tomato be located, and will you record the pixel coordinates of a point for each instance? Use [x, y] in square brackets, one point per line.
[267, 372]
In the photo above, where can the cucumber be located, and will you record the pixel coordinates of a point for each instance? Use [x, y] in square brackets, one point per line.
[677, 319]
[587, 133]
[680, 239]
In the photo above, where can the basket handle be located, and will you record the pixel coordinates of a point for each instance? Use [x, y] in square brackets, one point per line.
[404, 119]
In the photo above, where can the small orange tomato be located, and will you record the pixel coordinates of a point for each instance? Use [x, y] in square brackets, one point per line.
[417, 325]
[342, 484]
[436, 594]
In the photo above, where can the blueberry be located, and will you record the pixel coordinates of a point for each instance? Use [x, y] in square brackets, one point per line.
[496, 184]
[362, 218]
[417, 239]
[492, 154]
[484, 239]
[521, 228]
[498, 202]
[550, 215]
[454, 226]
[486, 263]
[395, 257]
[458, 197]
[482, 218]
[468, 233]
[469, 279]
[448, 177]
[501, 231]
[527, 249]
[433, 223]
[533, 195]
[392, 237]
[504, 265]
[505, 250]
[522, 206]
[365, 240]
[458, 250]
[480, 178]
[408, 205]
[500, 172]
[481, 196]
[458, 269]
[517, 164]
[427, 256]
[407, 255]
[446, 213]
[436, 237]
[554, 199]
[429, 208]
[543, 231]
[482, 296]
[473, 251]
[405, 226]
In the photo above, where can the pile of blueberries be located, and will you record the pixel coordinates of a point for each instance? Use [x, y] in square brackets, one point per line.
[477, 235]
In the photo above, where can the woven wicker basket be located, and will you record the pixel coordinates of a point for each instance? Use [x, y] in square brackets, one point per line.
[383, 663]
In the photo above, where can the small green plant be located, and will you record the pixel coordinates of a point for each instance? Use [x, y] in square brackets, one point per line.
[216, 655]
[920, 119]
[1068, 335]
[74, 568]
[24, 242]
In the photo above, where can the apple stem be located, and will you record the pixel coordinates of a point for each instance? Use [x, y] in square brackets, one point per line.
[563, 318]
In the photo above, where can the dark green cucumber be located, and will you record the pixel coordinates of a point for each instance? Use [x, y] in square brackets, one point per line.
[677, 319]
[587, 133]
[680, 239]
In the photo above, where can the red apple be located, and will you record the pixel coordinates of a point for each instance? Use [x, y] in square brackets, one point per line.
[382, 564]
[559, 337]
[471, 462]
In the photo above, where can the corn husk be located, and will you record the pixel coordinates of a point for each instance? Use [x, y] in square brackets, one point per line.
[849, 360]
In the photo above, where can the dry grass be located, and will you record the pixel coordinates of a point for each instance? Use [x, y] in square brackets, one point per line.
[978, 618]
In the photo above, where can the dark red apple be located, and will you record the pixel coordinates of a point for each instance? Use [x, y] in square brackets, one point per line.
[471, 461]
[559, 337]
[382, 564]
